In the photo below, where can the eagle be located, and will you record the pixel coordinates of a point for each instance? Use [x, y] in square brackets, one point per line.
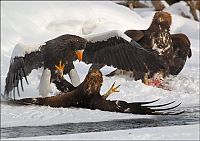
[112, 48]
[51, 56]
[172, 49]
[87, 95]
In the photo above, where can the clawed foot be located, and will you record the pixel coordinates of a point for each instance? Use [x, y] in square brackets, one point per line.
[113, 89]
[60, 69]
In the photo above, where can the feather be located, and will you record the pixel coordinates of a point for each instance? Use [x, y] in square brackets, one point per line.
[165, 49]
[87, 95]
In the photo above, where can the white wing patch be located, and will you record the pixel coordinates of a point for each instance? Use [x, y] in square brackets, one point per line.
[44, 86]
[106, 35]
[22, 49]
[74, 77]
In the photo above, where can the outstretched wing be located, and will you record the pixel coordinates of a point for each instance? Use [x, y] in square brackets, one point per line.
[65, 100]
[182, 50]
[135, 107]
[20, 67]
[122, 54]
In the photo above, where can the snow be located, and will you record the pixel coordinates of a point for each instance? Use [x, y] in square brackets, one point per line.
[41, 116]
[36, 22]
[181, 8]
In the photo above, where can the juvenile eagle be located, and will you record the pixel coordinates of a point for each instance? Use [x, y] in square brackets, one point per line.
[172, 49]
[87, 95]
[109, 48]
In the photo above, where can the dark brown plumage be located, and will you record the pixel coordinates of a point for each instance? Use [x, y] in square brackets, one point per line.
[171, 49]
[107, 49]
[62, 48]
[181, 51]
[87, 95]
[121, 54]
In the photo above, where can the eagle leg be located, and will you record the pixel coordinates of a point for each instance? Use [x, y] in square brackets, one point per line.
[113, 89]
[146, 80]
[59, 69]
[63, 85]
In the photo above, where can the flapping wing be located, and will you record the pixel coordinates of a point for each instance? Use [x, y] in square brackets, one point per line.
[122, 54]
[20, 67]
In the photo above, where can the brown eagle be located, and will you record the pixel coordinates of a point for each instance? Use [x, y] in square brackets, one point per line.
[172, 49]
[87, 95]
[109, 48]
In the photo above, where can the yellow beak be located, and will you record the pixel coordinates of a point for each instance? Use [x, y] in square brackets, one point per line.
[79, 54]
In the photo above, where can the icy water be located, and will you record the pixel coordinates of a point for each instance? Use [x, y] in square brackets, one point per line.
[191, 116]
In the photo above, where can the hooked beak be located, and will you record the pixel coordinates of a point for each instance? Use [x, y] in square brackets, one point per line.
[79, 54]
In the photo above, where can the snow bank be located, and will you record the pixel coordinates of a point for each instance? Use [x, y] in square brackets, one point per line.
[182, 9]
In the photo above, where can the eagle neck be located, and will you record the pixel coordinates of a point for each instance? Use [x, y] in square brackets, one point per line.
[161, 39]
[92, 85]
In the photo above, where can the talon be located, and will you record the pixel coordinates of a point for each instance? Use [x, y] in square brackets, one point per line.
[60, 69]
[60, 66]
[146, 80]
[113, 89]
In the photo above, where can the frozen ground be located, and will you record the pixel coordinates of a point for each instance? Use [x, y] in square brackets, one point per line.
[156, 133]
[36, 22]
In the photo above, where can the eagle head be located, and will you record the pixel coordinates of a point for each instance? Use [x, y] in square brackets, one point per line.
[162, 18]
[93, 82]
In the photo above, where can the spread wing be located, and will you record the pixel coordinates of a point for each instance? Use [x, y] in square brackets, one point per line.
[182, 51]
[65, 100]
[20, 67]
[135, 107]
[122, 54]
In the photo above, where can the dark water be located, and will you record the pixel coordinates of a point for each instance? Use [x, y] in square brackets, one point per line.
[191, 116]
